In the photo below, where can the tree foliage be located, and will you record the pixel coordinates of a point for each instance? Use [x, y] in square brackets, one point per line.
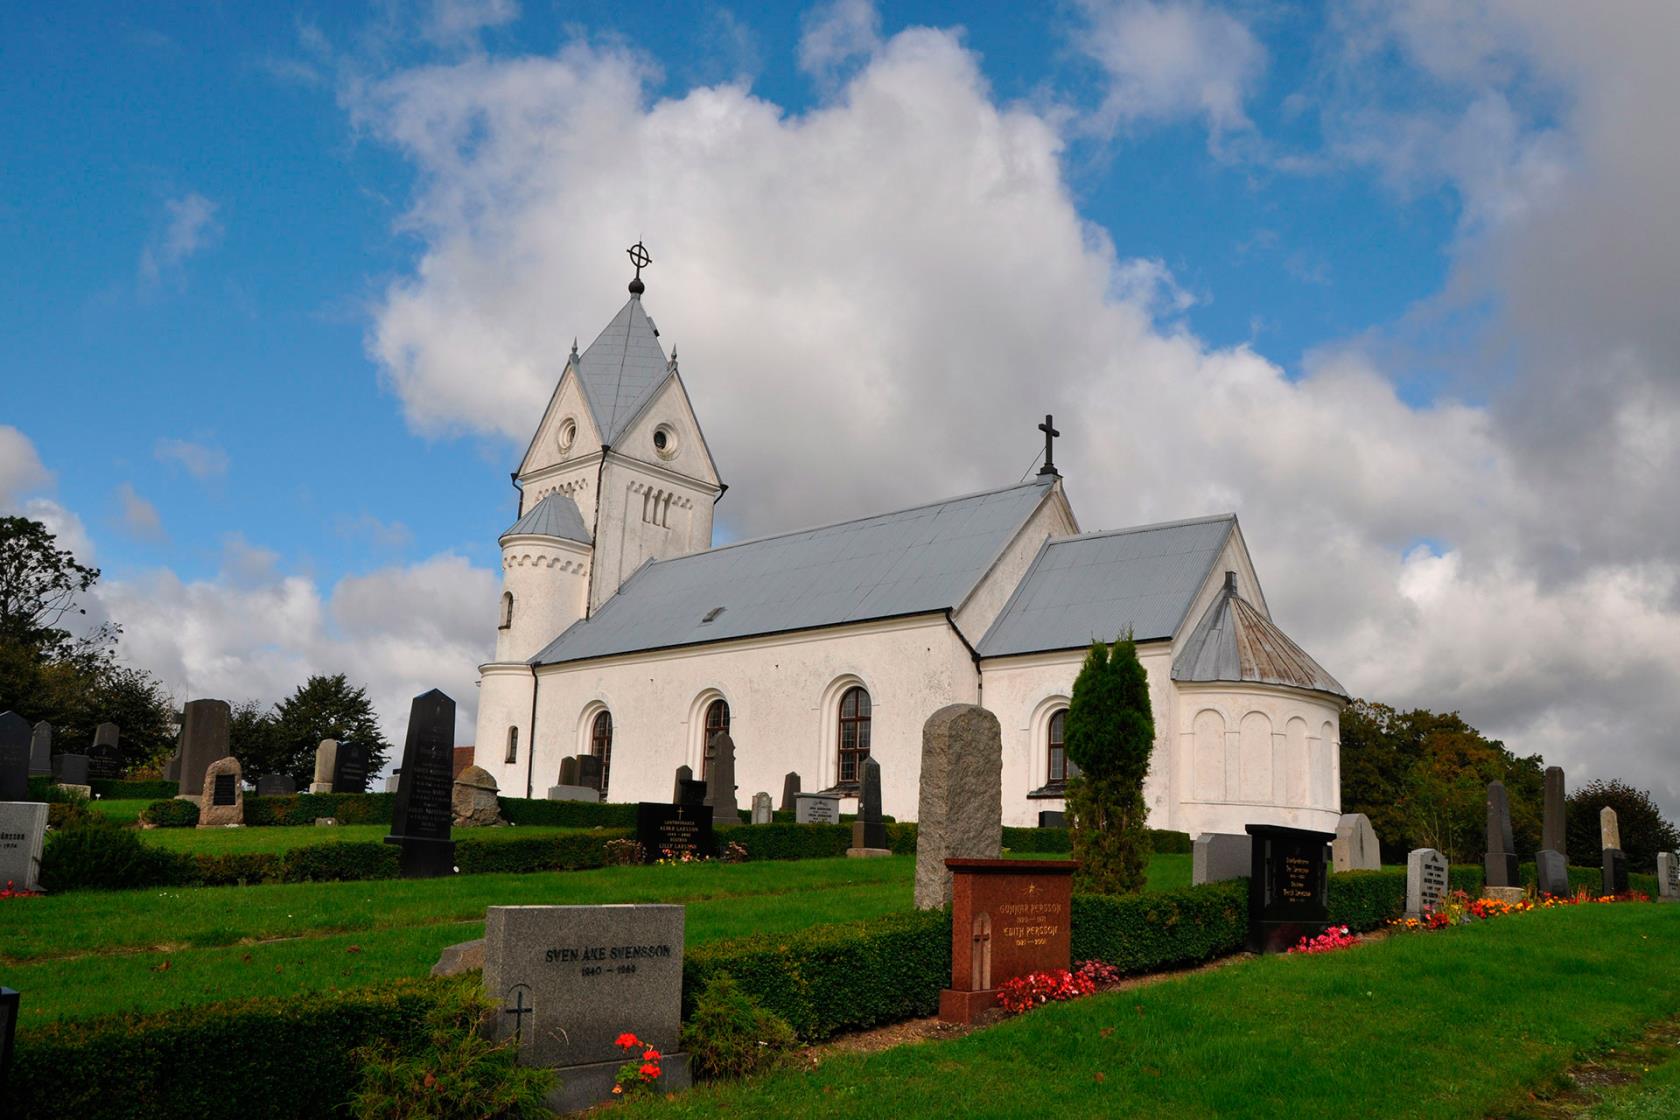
[1644, 830]
[40, 583]
[322, 707]
[1110, 736]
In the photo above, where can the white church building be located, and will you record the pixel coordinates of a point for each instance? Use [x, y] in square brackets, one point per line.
[623, 633]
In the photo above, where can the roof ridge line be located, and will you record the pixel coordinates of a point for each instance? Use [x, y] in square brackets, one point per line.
[1098, 533]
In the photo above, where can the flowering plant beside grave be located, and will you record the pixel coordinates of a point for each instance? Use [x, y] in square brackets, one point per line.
[734, 852]
[1099, 973]
[1336, 937]
[11, 891]
[641, 1070]
[667, 856]
[623, 852]
[1023, 993]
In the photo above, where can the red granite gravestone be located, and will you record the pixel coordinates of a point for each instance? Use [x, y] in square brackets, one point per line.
[1009, 918]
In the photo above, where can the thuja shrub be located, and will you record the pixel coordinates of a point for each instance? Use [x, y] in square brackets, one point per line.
[171, 813]
[292, 1057]
[731, 1035]
[99, 854]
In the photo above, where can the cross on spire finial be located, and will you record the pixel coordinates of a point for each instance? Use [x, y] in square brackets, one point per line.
[1050, 434]
[641, 259]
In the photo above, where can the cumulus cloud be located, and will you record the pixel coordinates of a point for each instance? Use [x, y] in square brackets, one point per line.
[190, 227]
[201, 460]
[451, 22]
[837, 34]
[21, 471]
[139, 517]
[901, 278]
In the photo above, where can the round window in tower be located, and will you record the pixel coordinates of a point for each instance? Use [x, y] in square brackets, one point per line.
[665, 441]
[568, 434]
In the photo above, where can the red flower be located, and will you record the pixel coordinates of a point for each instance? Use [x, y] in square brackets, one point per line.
[627, 1041]
[650, 1055]
[650, 1071]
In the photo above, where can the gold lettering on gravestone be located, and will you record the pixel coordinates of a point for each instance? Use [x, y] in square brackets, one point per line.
[679, 835]
[1298, 879]
[1031, 923]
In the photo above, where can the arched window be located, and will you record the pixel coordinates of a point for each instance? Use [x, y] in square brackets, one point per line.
[507, 610]
[1057, 743]
[717, 723]
[600, 744]
[854, 732]
[513, 745]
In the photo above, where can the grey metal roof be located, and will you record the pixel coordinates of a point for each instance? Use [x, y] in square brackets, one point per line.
[555, 516]
[1235, 642]
[621, 369]
[1094, 586]
[914, 561]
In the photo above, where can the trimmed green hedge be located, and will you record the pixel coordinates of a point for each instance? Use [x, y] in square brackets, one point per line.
[1164, 929]
[568, 814]
[304, 808]
[120, 789]
[173, 812]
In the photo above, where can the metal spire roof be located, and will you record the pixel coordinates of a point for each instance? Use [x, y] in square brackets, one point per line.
[621, 369]
[1235, 642]
[555, 516]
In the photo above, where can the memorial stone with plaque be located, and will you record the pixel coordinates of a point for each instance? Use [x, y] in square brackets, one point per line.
[350, 768]
[569, 980]
[790, 790]
[674, 831]
[15, 734]
[205, 726]
[421, 819]
[1009, 917]
[1426, 881]
[223, 801]
[40, 750]
[816, 808]
[1287, 887]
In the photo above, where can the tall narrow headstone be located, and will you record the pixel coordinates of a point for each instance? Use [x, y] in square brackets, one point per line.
[1609, 829]
[1501, 862]
[205, 726]
[40, 750]
[790, 791]
[869, 834]
[421, 819]
[1553, 836]
[105, 756]
[720, 781]
[1355, 847]
[15, 734]
[350, 768]
[1426, 881]
[1615, 860]
[762, 810]
[960, 811]
[326, 761]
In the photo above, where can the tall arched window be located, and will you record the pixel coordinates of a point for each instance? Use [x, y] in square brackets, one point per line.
[717, 723]
[854, 732]
[600, 744]
[507, 610]
[1057, 737]
[512, 745]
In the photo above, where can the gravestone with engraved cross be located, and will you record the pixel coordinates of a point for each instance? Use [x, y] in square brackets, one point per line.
[678, 832]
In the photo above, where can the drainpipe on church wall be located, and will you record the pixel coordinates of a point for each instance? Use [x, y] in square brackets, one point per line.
[974, 655]
[594, 548]
[531, 743]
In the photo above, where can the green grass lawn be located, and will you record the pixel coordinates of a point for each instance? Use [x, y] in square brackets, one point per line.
[1654, 1097]
[281, 838]
[1448, 1025]
[122, 811]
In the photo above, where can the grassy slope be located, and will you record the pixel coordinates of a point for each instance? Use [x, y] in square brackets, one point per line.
[1655, 1097]
[1429, 1026]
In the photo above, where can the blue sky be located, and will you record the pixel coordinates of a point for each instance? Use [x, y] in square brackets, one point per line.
[284, 289]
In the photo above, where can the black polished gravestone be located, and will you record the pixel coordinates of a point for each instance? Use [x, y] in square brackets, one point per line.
[691, 792]
[1288, 886]
[70, 769]
[276, 785]
[674, 831]
[423, 814]
[1615, 871]
[15, 734]
[869, 832]
[105, 756]
[350, 768]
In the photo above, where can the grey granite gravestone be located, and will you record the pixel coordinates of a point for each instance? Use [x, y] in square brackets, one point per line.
[1615, 860]
[691, 792]
[1551, 874]
[574, 793]
[223, 801]
[816, 808]
[23, 828]
[105, 756]
[1355, 847]
[276, 785]
[790, 790]
[1052, 818]
[684, 774]
[1426, 881]
[1553, 835]
[589, 772]
[1609, 829]
[421, 819]
[326, 761]
[205, 726]
[568, 770]
[474, 799]
[350, 768]
[720, 781]
[1218, 856]
[1668, 877]
[70, 769]
[567, 981]
[869, 834]
[763, 810]
[14, 757]
[960, 811]
[1501, 861]
[40, 750]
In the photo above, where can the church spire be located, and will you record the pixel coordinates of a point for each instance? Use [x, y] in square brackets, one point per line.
[640, 258]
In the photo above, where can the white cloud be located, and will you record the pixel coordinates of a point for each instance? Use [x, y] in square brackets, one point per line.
[139, 517]
[383, 535]
[190, 228]
[837, 34]
[201, 460]
[1170, 61]
[21, 471]
[452, 22]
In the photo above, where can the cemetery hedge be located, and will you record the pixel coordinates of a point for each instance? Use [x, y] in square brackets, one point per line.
[304, 808]
[133, 789]
[173, 812]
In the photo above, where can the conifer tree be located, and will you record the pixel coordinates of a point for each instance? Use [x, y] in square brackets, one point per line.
[1110, 736]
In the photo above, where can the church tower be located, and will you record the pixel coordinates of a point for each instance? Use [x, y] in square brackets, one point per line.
[617, 473]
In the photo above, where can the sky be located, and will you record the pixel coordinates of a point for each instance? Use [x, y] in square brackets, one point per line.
[283, 292]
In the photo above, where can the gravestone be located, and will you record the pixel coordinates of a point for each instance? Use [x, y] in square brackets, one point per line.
[326, 761]
[14, 757]
[172, 768]
[1615, 860]
[573, 793]
[70, 770]
[960, 811]
[1426, 881]
[1218, 856]
[763, 810]
[1551, 874]
[569, 980]
[720, 781]
[684, 774]
[393, 780]
[1009, 918]
[816, 808]
[204, 739]
[1668, 877]
[23, 828]
[1052, 818]
[421, 819]
[350, 768]
[691, 792]
[674, 831]
[1288, 886]
[40, 750]
[223, 801]
[1355, 847]
[869, 834]
[589, 772]
[105, 756]
[474, 799]
[1609, 829]
[790, 790]
[276, 785]
[1501, 861]
[568, 770]
[1553, 835]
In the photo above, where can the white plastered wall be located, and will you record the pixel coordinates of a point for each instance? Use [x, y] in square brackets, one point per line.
[1257, 754]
